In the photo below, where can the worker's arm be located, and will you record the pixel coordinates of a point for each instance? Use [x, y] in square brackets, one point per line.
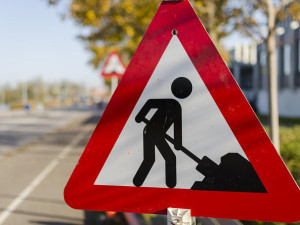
[178, 130]
[145, 109]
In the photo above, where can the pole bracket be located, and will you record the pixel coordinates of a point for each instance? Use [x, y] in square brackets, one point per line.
[180, 217]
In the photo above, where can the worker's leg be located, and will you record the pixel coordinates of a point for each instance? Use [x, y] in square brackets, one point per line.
[170, 159]
[149, 158]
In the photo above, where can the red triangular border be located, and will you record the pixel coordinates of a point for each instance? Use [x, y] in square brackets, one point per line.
[109, 75]
[281, 201]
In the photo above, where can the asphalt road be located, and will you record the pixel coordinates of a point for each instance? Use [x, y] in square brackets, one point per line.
[19, 128]
[33, 177]
[35, 169]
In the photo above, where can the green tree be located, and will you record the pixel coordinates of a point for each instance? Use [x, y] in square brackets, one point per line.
[12, 95]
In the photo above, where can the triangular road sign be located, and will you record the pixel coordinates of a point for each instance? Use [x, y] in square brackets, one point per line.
[113, 66]
[178, 132]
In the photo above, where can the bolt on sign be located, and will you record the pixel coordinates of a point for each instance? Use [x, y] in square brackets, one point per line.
[178, 132]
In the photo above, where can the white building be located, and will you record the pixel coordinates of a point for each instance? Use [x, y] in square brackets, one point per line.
[288, 62]
[244, 58]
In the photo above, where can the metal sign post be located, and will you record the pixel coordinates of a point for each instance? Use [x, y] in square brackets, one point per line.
[180, 217]
[114, 69]
[114, 84]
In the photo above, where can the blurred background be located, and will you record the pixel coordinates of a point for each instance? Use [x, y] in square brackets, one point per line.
[52, 89]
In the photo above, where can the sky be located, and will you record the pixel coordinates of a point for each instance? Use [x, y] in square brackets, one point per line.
[36, 42]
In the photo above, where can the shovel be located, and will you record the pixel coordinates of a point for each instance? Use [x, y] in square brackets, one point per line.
[205, 166]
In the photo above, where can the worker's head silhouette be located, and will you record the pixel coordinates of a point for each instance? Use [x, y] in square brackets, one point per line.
[181, 87]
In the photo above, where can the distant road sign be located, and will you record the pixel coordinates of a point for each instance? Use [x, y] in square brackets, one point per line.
[113, 66]
[178, 132]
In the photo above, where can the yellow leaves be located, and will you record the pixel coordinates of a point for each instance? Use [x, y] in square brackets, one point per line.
[198, 4]
[91, 2]
[131, 45]
[294, 10]
[91, 18]
[128, 6]
[129, 31]
[99, 53]
[105, 6]
[90, 15]
[119, 20]
[119, 23]
[146, 20]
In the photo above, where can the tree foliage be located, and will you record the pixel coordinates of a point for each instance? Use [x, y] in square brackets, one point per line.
[252, 17]
[113, 25]
[120, 25]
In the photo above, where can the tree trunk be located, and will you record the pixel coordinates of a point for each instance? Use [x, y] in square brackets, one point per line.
[272, 68]
[211, 7]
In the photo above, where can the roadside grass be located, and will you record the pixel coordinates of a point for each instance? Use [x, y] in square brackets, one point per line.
[284, 121]
[290, 149]
[289, 134]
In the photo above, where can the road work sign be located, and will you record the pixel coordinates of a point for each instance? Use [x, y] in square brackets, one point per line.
[178, 132]
[113, 66]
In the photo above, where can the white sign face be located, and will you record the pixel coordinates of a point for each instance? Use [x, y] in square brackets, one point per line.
[204, 129]
[114, 65]
[179, 130]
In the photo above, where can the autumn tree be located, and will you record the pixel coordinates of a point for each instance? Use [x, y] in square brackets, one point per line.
[120, 25]
[112, 25]
[215, 16]
[259, 20]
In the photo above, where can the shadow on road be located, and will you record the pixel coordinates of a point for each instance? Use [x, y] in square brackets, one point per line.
[93, 119]
[34, 199]
[53, 223]
[52, 216]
